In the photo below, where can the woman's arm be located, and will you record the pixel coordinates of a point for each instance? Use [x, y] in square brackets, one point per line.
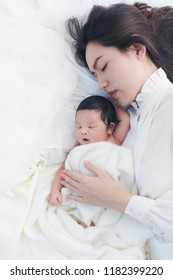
[154, 205]
[100, 190]
[123, 126]
[55, 195]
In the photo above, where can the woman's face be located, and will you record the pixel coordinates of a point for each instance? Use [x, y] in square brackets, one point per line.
[119, 73]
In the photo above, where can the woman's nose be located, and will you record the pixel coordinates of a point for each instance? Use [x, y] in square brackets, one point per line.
[102, 83]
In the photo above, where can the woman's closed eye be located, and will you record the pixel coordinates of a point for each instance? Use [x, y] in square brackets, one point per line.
[104, 68]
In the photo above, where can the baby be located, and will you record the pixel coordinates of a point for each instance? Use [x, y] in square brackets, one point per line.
[96, 120]
[100, 130]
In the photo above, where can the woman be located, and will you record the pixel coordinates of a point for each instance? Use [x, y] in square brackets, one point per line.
[122, 46]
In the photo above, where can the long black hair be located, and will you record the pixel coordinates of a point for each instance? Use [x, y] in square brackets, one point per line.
[102, 105]
[119, 25]
[161, 21]
[122, 25]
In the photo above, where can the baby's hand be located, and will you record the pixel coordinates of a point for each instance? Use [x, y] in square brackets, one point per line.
[55, 196]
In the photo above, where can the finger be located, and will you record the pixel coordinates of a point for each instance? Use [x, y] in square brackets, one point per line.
[75, 197]
[59, 197]
[94, 169]
[71, 174]
[53, 201]
[70, 186]
[71, 181]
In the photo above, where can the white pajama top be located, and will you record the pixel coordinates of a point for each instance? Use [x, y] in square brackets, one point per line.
[151, 138]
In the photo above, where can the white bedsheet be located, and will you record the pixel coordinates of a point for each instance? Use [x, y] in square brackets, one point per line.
[30, 229]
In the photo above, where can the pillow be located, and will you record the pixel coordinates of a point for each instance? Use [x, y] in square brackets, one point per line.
[40, 87]
[36, 86]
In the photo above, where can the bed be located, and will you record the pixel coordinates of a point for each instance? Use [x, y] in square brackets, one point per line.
[40, 88]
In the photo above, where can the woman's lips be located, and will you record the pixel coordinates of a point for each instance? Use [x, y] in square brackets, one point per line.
[113, 93]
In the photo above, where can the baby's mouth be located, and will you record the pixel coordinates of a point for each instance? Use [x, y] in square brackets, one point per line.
[86, 140]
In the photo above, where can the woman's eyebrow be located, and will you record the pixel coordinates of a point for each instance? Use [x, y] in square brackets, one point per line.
[95, 62]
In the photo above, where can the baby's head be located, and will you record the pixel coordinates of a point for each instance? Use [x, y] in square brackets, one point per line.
[95, 120]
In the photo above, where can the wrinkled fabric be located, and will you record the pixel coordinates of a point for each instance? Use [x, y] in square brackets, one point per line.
[151, 138]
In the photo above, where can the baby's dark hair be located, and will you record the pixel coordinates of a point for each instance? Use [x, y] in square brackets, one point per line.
[102, 105]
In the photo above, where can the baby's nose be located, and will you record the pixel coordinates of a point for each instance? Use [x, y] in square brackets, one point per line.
[84, 131]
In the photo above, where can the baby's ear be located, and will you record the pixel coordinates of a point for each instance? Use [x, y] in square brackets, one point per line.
[111, 128]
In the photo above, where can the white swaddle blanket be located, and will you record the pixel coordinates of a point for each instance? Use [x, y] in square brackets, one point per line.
[115, 160]
[44, 232]
[118, 162]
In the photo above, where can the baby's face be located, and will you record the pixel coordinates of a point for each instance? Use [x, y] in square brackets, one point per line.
[89, 128]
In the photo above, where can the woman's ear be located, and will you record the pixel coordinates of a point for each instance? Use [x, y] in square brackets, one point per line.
[111, 128]
[138, 49]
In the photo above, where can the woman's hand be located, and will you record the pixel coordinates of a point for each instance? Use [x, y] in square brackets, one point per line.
[100, 189]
